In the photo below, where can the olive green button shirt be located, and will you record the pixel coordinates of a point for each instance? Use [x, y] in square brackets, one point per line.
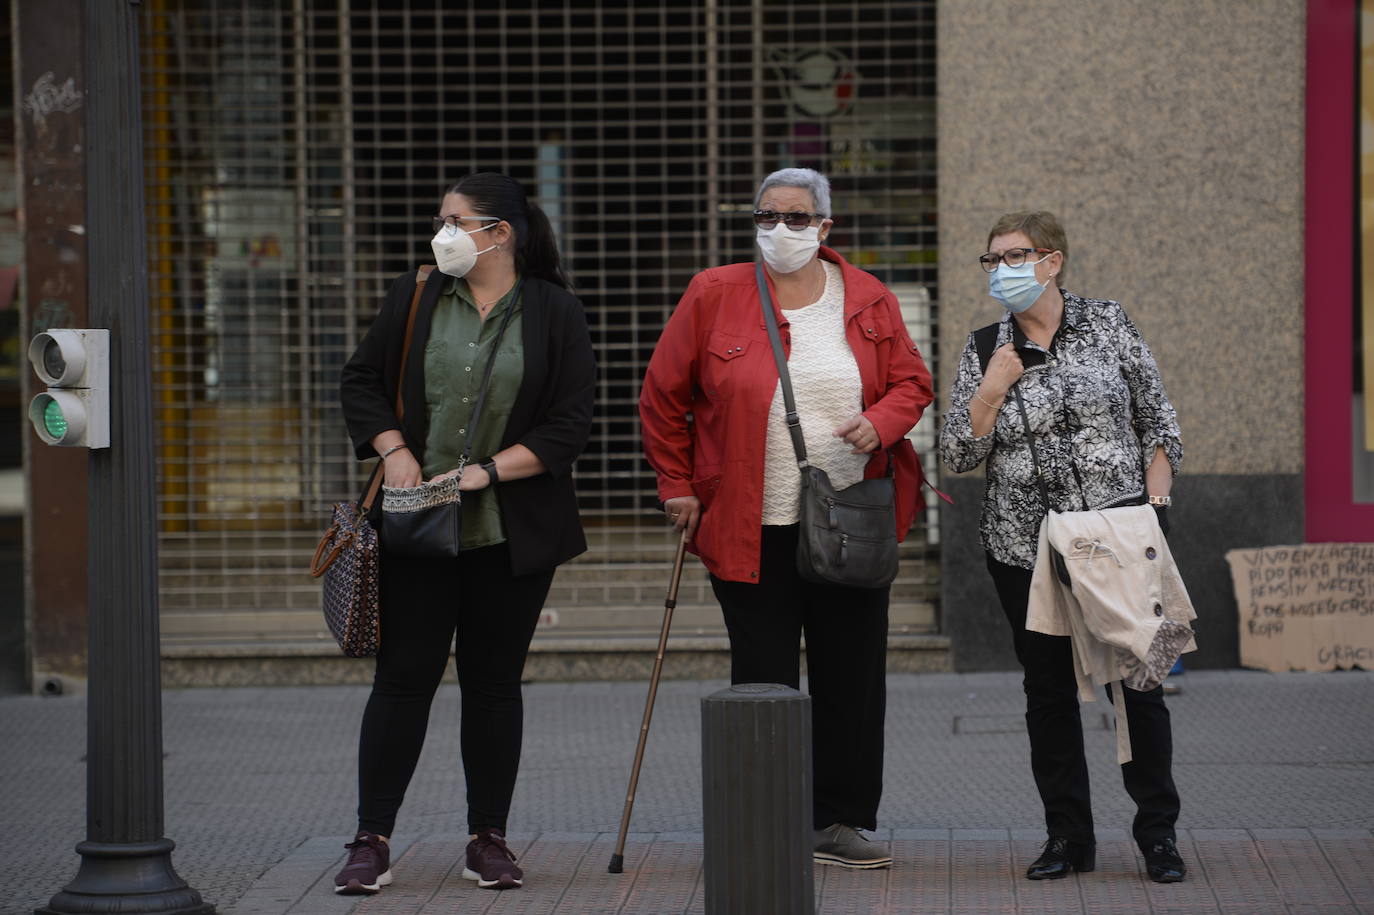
[460, 344]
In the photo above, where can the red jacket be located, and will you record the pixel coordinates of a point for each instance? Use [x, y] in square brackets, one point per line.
[714, 361]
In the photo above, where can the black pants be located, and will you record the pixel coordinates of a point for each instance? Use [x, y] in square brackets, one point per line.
[1056, 730]
[846, 660]
[424, 602]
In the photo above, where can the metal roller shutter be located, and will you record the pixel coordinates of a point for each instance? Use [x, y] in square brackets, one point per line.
[296, 152]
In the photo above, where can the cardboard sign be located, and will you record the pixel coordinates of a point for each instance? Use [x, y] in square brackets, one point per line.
[1306, 607]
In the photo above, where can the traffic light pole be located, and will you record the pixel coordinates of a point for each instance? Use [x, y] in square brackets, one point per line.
[126, 861]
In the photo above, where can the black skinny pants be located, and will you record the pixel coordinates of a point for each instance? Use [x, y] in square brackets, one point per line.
[1056, 730]
[424, 602]
[846, 663]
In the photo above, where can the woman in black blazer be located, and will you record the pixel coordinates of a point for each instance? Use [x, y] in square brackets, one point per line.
[495, 252]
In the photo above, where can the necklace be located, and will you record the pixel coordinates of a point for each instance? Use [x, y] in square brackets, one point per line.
[820, 282]
[484, 307]
[815, 289]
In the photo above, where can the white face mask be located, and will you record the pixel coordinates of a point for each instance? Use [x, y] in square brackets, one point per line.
[456, 252]
[788, 250]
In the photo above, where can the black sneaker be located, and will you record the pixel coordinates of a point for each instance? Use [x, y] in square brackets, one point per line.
[1163, 862]
[368, 868]
[491, 863]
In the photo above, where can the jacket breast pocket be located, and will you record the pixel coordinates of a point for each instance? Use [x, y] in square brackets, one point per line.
[1094, 388]
[875, 332]
[876, 348]
[722, 367]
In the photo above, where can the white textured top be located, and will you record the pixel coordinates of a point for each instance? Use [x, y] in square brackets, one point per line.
[828, 391]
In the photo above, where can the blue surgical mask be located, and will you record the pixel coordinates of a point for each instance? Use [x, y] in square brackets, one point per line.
[1015, 287]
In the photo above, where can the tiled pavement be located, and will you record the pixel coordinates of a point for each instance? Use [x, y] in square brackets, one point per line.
[1254, 872]
[1276, 773]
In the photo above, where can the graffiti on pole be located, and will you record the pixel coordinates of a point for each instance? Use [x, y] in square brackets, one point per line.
[48, 97]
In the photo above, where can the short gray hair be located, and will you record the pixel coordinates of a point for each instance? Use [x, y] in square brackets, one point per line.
[806, 178]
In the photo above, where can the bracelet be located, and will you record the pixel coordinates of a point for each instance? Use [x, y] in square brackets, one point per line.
[985, 403]
[1164, 501]
[393, 449]
[489, 465]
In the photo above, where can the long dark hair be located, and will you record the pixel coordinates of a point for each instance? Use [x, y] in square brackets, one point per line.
[536, 253]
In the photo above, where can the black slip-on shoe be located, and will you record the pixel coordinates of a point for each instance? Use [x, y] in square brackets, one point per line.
[1163, 862]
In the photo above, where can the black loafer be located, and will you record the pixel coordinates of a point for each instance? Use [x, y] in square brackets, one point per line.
[1163, 862]
[1061, 857]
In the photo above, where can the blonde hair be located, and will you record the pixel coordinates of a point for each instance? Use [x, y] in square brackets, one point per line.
[1041, 227]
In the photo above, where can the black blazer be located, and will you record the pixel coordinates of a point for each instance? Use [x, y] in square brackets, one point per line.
[552, 414]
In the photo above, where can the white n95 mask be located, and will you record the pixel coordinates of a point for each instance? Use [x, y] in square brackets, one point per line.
[455, 252]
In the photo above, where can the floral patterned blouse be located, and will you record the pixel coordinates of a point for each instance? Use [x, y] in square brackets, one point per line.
[1097, 406]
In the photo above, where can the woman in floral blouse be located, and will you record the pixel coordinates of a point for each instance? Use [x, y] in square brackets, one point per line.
[1105, 434]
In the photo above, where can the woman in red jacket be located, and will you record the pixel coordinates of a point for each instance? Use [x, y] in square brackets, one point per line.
[729, 478]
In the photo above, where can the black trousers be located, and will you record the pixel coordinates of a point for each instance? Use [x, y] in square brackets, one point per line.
[846, 661]
[1056, 730]
[424, 603]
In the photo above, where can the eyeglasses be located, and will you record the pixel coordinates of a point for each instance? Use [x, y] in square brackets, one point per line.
[1012, 257]
[767, 219]
[451, 223]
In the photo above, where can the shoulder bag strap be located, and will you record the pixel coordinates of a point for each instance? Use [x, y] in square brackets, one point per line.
[374, 482]
[793, 420]
[1039, 475]
[1030, 440]
[1056, 561]
[486, 377]
[421, 276]
[985, 343]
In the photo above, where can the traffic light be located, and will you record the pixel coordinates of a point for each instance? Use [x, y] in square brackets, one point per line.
[75, 409]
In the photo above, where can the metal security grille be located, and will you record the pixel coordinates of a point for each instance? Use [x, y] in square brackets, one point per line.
[296, 152]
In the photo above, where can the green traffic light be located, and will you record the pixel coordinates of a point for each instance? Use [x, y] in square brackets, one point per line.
[54, 420]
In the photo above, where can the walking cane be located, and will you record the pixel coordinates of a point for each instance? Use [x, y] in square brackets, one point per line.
[618, 859]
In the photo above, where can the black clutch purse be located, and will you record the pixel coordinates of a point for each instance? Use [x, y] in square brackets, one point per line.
[426, 521]
[844, 536]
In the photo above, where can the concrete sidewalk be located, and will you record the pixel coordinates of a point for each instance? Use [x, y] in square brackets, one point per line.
[1276, 773]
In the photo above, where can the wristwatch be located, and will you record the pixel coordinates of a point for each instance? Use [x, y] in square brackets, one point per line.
[489, 465]
[1165, 501]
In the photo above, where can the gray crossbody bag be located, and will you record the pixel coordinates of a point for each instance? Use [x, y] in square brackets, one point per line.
[845, 536]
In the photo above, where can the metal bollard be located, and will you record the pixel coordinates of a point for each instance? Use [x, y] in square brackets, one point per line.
[756, 794]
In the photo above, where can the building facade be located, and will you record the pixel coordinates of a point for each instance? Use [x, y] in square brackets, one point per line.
[296, 152]
[297, 149]
[1170, 138]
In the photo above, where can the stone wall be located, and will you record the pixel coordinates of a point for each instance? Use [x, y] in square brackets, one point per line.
[1167, 135]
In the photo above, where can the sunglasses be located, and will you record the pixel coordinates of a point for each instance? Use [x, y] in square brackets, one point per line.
[767, 219]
